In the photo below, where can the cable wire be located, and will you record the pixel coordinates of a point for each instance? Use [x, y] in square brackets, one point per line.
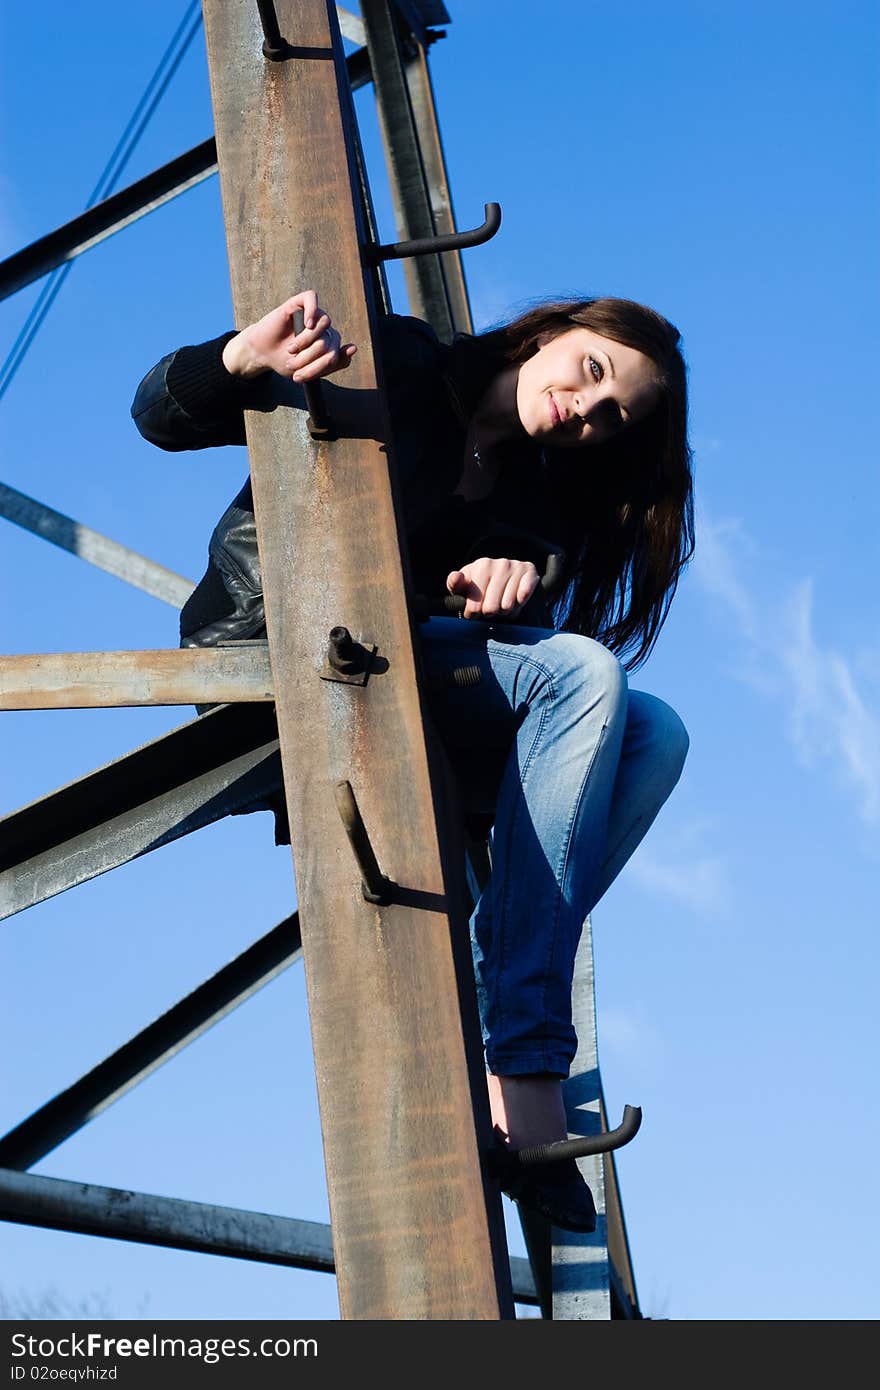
[110, 176]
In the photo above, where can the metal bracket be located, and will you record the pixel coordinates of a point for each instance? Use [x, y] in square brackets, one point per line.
[347, 661]
[431, 245]
[319, 424]
[503, 1161]
[375, 887]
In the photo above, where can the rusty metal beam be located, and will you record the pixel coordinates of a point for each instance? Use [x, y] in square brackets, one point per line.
[425, 280]
[168, 1221]
[239, 671]
[94, 548]
[106, 218]
[424, 111]
[400, 1075]
[212, 767]
[146, 1219]
[152, 1047]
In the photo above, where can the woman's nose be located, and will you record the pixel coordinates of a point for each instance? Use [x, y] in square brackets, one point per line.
[590, 402]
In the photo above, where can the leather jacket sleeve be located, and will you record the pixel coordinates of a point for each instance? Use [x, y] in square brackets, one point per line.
[190, 401]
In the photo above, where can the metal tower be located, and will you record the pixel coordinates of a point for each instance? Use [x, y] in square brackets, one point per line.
[329, 706]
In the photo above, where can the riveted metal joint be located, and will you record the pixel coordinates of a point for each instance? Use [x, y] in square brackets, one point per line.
[347, 661]
[275, 47]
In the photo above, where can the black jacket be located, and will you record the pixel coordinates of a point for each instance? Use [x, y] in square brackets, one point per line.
[189, 401]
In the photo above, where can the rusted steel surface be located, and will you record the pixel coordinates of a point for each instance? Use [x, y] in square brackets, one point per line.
[94, 548]
[152, 1220]
[425, 281]
[198, 773]
[421, 95]
[95, 680]
[410, 1220]
[624, 1298]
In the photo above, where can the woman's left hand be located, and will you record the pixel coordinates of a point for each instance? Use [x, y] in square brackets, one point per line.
[272, 343]
[496, 589]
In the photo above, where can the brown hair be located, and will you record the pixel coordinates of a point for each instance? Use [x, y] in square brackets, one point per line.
[636, 498]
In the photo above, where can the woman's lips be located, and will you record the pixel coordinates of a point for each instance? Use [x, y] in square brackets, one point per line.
[555, 414]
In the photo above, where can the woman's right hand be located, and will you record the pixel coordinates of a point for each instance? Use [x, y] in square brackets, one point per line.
[271, 344]
[494, 589]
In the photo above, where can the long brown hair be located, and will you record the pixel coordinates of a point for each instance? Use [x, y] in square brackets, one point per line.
[636, 496]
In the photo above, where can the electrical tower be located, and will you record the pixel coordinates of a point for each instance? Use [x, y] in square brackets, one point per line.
[387, 863]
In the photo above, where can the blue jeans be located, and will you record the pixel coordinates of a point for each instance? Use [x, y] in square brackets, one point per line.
[578, 767]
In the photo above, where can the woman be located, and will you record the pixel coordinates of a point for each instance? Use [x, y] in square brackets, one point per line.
[563, 432]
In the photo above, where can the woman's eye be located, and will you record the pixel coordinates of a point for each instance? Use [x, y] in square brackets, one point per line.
[596, 371]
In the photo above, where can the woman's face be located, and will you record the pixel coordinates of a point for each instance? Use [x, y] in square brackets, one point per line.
[581, 388]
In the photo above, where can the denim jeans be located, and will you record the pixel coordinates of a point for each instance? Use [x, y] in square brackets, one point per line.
[578, 767]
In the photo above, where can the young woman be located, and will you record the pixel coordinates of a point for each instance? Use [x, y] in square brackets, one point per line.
[562, 433]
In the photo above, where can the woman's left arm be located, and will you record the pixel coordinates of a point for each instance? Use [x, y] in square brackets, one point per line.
[195, 398]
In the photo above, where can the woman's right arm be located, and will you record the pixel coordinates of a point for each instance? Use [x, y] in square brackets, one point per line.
[195, 398]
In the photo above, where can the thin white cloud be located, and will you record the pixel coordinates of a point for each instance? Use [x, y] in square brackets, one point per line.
[830, 717]
[829, 720]
[718, 565]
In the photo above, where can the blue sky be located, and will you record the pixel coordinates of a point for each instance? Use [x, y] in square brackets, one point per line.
[718, 163]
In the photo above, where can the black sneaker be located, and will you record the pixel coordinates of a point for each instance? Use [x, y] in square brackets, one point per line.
[556, 1190]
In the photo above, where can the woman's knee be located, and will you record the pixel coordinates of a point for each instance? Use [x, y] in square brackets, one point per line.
[664, 731]
[590, 667]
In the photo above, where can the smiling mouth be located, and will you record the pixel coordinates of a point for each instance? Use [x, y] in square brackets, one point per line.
[556, 416]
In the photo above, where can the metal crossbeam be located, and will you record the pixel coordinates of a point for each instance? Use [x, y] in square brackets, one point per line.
[236, 672]
[151, 1220]
[169, 1221]
[152, 1047]
[94, 548]
[212, 767]
[106, 218]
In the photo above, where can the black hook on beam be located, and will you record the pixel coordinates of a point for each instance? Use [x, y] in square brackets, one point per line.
[504, 1160]
[318, 421]
[274, 46]
[375, 887]
[431, 245]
